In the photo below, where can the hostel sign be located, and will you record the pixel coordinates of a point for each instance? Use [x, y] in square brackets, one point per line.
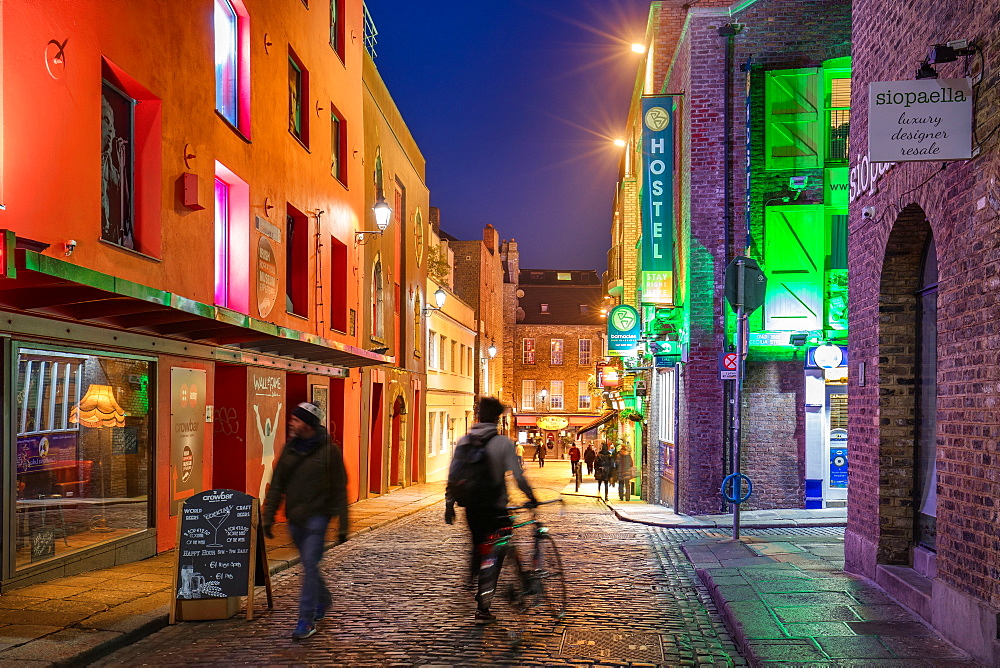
[658, 200]
[921, 120]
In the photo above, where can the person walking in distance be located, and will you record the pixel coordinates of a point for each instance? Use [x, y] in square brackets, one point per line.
[519, 451]
[541, 453]
[310, 475]
[589, 457]
[605, 469]
[477, 481]
[574, 457]
[624, 464]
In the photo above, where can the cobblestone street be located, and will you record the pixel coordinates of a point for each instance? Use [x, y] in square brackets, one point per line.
[399, 599]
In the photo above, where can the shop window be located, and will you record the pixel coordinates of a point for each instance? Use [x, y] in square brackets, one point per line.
[527, 351]
[837, 99]
[527, 395]
[556, 351]
[82, 452]
[131, 163]
[296, 262]
[583, 395]
[338, 146]
[232, 240]
[232, 64]
[666, 406]
[339, 272]
[298, 99]
[583, 348]
[556, 395]
[337, 27]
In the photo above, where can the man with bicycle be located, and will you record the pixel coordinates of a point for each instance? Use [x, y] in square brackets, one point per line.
[485, 500]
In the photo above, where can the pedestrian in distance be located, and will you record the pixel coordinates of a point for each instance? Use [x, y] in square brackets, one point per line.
[541, 454]
[624, 466]
[519, 451]
[477, 481]
[574, 457]
[310, 475]
[589, 457]
[605, 470]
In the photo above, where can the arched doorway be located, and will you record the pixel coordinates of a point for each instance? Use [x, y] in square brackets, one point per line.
[907, 388]
[397, 446]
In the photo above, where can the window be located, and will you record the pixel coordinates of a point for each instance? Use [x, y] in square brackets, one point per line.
[556, 349]
[556, 395]
[131, 162]
[337, 27]
[432, 361]
[453, 366]
[583, 346]
[527, 395]
[584, 309]
[417, 324]
[226, 60]
[544, 308]
[339, 273]
[232, 240]
[298, 99]
[442, 353]
[527, 351]
[83, 432]
[564, 276]
[232, 64]
[296, 262]
[838, 114]
[338, 144]
[666, 407]
[378, 301]
[583, 395]
[432, 431]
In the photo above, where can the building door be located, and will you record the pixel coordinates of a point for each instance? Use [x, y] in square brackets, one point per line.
[397, 447]
[376, 441]
[925, 460]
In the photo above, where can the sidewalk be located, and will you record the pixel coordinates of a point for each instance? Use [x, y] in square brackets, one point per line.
[77, 619]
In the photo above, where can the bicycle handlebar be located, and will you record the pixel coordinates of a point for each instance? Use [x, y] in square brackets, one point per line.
[539, 503]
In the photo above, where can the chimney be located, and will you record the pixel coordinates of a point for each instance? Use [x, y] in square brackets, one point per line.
[434, 218]
[491, 238]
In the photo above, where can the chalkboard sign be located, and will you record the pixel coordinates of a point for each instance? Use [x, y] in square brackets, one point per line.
[218, 548]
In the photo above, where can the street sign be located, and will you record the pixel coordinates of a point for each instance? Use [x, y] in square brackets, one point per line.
[754, 284]
[728, 363]
[659, 348]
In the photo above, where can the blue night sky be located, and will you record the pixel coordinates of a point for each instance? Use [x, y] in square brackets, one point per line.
[514, 104]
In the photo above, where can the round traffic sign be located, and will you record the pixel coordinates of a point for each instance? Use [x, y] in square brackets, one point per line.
[729, 361]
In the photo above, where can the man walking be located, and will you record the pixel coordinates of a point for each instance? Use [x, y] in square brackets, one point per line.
[574, 457]
[490, 455]
[589, 456]
[310, 475]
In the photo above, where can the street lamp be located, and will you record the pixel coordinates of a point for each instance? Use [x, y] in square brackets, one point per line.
[492, 350]
[383, 214]
[440, 296]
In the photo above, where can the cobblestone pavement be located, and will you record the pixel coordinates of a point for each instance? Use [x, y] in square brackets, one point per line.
[634, 599]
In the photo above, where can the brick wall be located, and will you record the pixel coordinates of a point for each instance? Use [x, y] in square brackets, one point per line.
[962, 205]
[570, 372]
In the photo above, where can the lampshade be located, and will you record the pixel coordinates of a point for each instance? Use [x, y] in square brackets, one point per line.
[383, 214]
[98, 408]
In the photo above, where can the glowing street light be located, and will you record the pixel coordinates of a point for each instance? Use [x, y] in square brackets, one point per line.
[620, 143]
[638, 48]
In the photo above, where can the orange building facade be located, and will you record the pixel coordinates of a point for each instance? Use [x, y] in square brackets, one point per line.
[181, 195]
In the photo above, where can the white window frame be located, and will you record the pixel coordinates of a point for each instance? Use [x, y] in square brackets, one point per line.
[432, 360]
[556, 352]
[527, 395]
[583, 399]
[528, 350]
[665, 430]
[556, 395]
[584, 347]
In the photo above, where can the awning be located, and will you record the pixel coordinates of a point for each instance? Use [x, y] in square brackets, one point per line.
[49, 286]
[607, 417]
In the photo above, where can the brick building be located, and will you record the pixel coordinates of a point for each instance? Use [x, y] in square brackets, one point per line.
[924, 372]
[745, 108]
[557, 332]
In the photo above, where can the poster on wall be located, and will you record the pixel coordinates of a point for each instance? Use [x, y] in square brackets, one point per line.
[266, 428]
[267, 277]
[117, 156]
[187, 434]
[320, 395]
[44, 452]
[838, 458]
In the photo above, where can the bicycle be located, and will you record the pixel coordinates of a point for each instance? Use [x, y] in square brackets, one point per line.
[524, 586]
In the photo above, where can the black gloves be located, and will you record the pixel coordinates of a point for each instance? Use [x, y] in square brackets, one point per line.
[449, 513]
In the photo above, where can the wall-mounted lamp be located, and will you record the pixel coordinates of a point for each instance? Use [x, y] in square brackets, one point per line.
[542, 396]
[440, 297]
[492, 350]
[383, 214]
[69, 246]
[925, 71]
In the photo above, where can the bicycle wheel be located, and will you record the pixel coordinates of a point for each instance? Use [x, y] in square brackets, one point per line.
[510, 602]
[550, 579]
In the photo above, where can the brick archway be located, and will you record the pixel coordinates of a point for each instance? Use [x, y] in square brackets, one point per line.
[898, 375]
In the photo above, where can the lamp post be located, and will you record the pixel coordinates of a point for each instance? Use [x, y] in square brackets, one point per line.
[491, 352]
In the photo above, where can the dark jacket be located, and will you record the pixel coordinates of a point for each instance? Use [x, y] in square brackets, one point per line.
[605, 465]
[310, 475]
[589, 455]
[500, 450]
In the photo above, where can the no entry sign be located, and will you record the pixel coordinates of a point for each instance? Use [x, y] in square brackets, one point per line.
[727, 366]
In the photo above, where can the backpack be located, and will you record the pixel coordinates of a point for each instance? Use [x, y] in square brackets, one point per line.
[605, 468]
[471, 483]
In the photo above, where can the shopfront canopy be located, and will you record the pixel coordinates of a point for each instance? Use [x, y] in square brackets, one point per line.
[604, 419]
[48, 286]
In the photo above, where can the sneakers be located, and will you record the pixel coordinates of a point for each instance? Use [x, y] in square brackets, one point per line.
[303, 630]
[485, 616]
[320, 612]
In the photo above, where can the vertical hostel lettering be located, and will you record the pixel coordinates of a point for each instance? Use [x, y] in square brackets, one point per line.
[658, 201]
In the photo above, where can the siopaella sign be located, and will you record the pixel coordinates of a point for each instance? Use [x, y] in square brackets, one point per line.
[921, 120]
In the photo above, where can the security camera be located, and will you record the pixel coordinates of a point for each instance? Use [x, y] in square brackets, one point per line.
[70, 247]
[868, 212]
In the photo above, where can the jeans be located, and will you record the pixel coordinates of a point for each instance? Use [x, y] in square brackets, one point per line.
[606, 484]
[483, 523]
[310, 539]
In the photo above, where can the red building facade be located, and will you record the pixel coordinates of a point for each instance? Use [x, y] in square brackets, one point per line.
[181, 193]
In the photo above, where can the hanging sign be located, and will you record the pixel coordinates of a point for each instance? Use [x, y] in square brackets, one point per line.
[657, 200]
[623, 330]
[923, 119]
